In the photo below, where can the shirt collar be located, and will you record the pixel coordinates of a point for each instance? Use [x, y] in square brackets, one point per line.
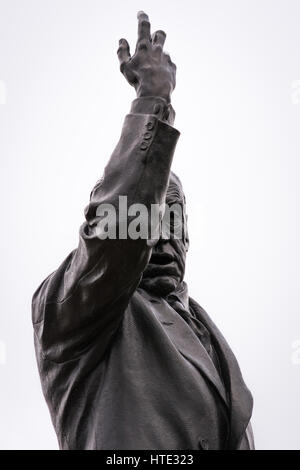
[181, 294]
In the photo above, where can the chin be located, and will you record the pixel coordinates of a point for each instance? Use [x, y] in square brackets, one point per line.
[161, 285]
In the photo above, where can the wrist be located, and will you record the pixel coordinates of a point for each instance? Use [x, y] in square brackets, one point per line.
[155, 84]
[144, 93]
[155, 105]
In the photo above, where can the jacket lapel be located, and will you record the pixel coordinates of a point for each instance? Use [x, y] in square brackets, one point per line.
[241, 402]
[189, 345]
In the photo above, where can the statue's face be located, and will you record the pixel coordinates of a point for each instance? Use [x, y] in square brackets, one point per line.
[166, 266]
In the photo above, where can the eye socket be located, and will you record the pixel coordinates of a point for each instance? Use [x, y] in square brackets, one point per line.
[174, 224]
[176, 219]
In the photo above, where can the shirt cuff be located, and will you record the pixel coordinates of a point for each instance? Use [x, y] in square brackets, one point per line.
[155, 105]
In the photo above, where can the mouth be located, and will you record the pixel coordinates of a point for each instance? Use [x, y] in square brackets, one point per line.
[161, 259]
[162, 264]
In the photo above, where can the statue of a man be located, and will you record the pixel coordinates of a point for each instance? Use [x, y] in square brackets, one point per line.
[127, 359]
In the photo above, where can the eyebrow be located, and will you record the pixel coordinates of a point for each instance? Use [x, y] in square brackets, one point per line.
[174, 191]
[174, 200]
[174, 195]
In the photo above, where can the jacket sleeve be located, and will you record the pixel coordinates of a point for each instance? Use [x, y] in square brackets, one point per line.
[87, 295]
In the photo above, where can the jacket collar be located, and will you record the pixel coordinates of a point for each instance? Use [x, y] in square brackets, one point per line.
[181, 294]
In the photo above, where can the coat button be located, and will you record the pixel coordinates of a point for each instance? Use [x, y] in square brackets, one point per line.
[147, 135]
[150, 125]
[144, 146]
[203, 444]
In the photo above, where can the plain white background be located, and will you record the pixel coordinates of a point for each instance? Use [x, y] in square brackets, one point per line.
[237, 100]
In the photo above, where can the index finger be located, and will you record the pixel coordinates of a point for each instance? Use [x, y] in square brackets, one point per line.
[143, 26]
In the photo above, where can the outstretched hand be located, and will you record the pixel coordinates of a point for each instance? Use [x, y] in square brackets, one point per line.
[150, 70]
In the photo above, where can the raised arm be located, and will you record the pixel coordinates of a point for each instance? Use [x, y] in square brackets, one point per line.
[88, 294]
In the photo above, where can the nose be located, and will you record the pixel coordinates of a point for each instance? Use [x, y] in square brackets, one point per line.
[163, 246]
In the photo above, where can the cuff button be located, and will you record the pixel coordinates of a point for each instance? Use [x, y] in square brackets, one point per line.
[150, 125]
[147, 135]
[144, 146]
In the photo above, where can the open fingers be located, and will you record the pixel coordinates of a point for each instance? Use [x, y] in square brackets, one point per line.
[123, 51]
[143, 27]
[158, 38]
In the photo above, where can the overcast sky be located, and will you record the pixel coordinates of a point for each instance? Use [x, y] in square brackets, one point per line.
[62, 104]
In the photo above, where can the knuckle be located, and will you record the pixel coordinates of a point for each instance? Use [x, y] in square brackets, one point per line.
[142, 45]
[145, 24]
[158, 48]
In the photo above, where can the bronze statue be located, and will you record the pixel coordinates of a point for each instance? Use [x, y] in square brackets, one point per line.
[127, 359]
